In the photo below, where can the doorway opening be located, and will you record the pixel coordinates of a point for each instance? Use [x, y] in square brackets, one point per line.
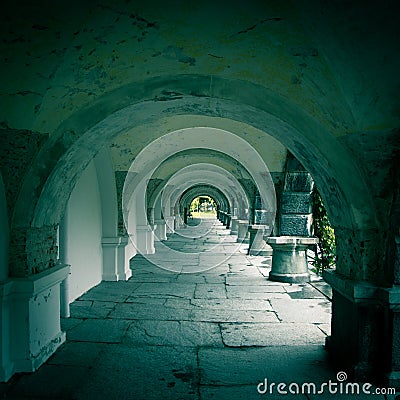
[203, 207]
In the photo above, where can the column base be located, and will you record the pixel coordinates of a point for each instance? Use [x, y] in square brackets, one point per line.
[289, 278]
[144, 242]
[33, 324]
[243, 226]
[364, 340]
[170, 222]
[234, 225]
[257, 244]
[289, 258]
[161, 230]
[116, 259]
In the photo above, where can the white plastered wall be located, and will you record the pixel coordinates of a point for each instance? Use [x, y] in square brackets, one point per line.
[84, 232]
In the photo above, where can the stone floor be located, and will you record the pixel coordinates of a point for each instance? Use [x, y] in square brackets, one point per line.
[209, 334]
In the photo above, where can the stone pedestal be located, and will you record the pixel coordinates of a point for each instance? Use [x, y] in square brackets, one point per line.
[228, 221]
[161, 230]
[243, 227]
[365, 330]
[234, 225]
[144, 240]
[115, 262]
[257, 244]
[34, 304]
[170, 224]
[6, 363]
[223, 217]
[289, 259]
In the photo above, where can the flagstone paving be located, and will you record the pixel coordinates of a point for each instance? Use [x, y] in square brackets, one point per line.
[214, 328]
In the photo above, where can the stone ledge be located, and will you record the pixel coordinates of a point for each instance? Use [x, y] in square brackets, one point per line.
[357, 292]
[300, 240]
[34, 284]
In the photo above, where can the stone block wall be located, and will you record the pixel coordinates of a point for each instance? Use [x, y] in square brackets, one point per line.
[18, 148]
[295, 205]
[33, 250]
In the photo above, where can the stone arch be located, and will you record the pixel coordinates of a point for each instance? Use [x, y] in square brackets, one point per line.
[216, 177]
[70, 148]
[196, 156]
[207, 190]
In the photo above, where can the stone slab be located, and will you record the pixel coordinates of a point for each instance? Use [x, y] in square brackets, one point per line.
[250, 366]
[305, 310]
[131, 311]
[82, 354]
[144, 372]
[232, 304]
[50, 382]
[240, 280]
[173, 333]
[99, 330]
[105, 294]
[91, 309]
[210, 291]
[224, 315]
[323, 287]
[165, 290]
[283, 334]
[69, 323]
[246, 290]
[304, 292]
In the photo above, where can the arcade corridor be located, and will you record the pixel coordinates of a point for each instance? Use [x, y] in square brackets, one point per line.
[116, 115]
[209, 335]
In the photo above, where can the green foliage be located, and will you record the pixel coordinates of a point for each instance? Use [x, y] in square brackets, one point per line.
[325, 250]
[194, 206]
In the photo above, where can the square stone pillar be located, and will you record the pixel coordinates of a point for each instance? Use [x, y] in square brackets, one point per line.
[144, 241]
[170, 224]
[35, 326]
[115, 260]
[161, 230]
[365, 330]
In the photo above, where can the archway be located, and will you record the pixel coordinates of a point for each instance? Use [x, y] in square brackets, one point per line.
[348, 201]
